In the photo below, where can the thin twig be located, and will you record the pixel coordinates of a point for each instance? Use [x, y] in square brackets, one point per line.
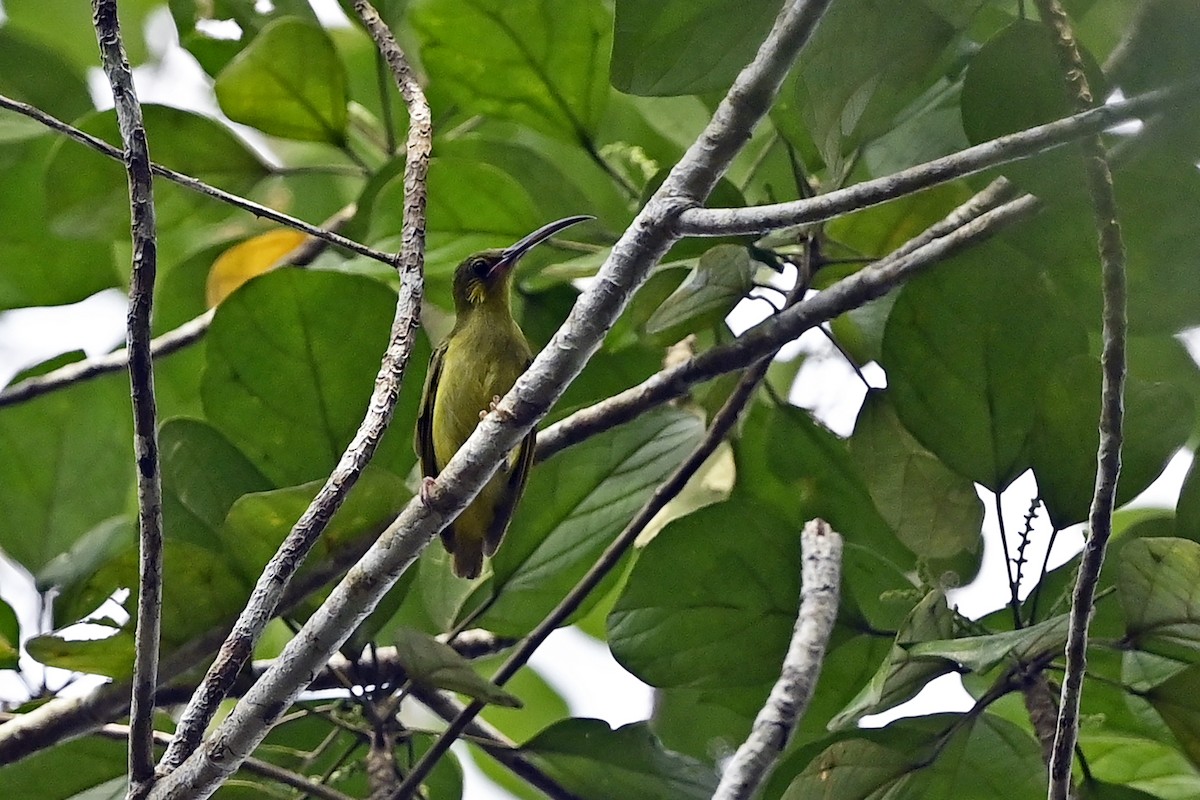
[722, 422]
[273, 581]
[1085, 123]
[188, 182]
[1112, 365]
[646, 239]
[494, 743]
[141, 380]
[751, 765]
[186, 334]
[848, 293]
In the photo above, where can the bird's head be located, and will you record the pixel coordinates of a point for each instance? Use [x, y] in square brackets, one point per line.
[483, 278]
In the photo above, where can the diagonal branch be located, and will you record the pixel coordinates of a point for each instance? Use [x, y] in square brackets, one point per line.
[765, 218]
[1112, 391]
[849, 293]
[751, 765]
[639, 248]
[141, 380]
[196, 185]
[273, 581]
[186, 334]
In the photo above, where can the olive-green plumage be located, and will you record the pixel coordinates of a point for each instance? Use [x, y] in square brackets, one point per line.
[477, 363]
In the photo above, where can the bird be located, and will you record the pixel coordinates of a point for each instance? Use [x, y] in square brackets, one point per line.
[473, 367]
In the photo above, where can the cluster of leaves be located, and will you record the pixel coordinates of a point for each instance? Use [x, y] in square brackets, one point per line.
[545, 110]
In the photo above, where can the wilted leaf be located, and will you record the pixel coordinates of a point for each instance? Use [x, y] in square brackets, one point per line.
[247, 260]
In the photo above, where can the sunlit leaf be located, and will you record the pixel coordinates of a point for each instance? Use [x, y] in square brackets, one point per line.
[247, 260]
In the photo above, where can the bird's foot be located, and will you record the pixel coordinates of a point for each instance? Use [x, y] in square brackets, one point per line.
[426, 490]
[494, 406]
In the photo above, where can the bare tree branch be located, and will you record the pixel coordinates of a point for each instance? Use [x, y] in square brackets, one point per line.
[765, 218]
[849, 293]
[642, 244]
[753, 762]
[188, 182]
[186, 334]
[1112, 402]
[273, 581]
[141, 379]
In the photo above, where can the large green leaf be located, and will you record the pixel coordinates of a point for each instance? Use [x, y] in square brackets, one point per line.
[685, 46]
[471, 206]
[597, 762]
[290, 363]
[289, 82]
[937, 756]
[801, 470]
[967, 348]
[519, 60]
[1177, 701]
[39, 75]
[211, 50]
[66, 463]
[1141, 764]
[67, 27]
[63, 771]
[1158, 419]
[866, 61]
[203, 474]
[1014, 82]
[435, 664]
[707, 608]
[983, 653]
[721, 278]
[1161, 596]
[574, 505]
[902, 675]
[935, 512]
[88, 193]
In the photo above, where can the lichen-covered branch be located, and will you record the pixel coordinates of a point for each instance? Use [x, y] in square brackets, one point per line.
[751, 765]
[141, 380]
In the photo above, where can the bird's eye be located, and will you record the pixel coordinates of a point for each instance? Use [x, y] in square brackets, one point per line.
[480, 267]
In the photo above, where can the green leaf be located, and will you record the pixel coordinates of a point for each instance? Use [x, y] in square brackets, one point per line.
[935, 512]
[290, 362]
[808, 472]
[257, 523]
[10, 637]
[88, 194]
[66, 463]
[71, 572]
[471, 206]
[111, 657]
[66, 770]
[289, 82]
[40, 76]
[681, 47]
[203, 474]
[438, 665]
[251, 17]
[936, 756]
[1142, 764]
[722, 277]
[865, 62]
[1187, 509]
[1157, 586]
[1177, 701]
[1015, 82]
[704, 607]
[966, 347]
[1158, 419]
[983, 653]
[574, 505]
[589, 758]
[514, 59]
[903, 673]
[67, 27]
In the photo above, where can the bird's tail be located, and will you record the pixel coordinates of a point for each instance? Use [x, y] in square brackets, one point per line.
[468, 558]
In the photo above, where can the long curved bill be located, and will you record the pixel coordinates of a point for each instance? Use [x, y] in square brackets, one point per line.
[512, 254]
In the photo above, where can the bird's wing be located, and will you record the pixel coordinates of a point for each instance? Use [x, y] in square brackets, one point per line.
[518, 475]
[423, 437]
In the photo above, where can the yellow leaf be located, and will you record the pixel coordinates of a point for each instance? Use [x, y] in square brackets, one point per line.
[244, 261]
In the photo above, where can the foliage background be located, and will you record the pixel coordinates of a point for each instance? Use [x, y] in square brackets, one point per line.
[543, 110]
